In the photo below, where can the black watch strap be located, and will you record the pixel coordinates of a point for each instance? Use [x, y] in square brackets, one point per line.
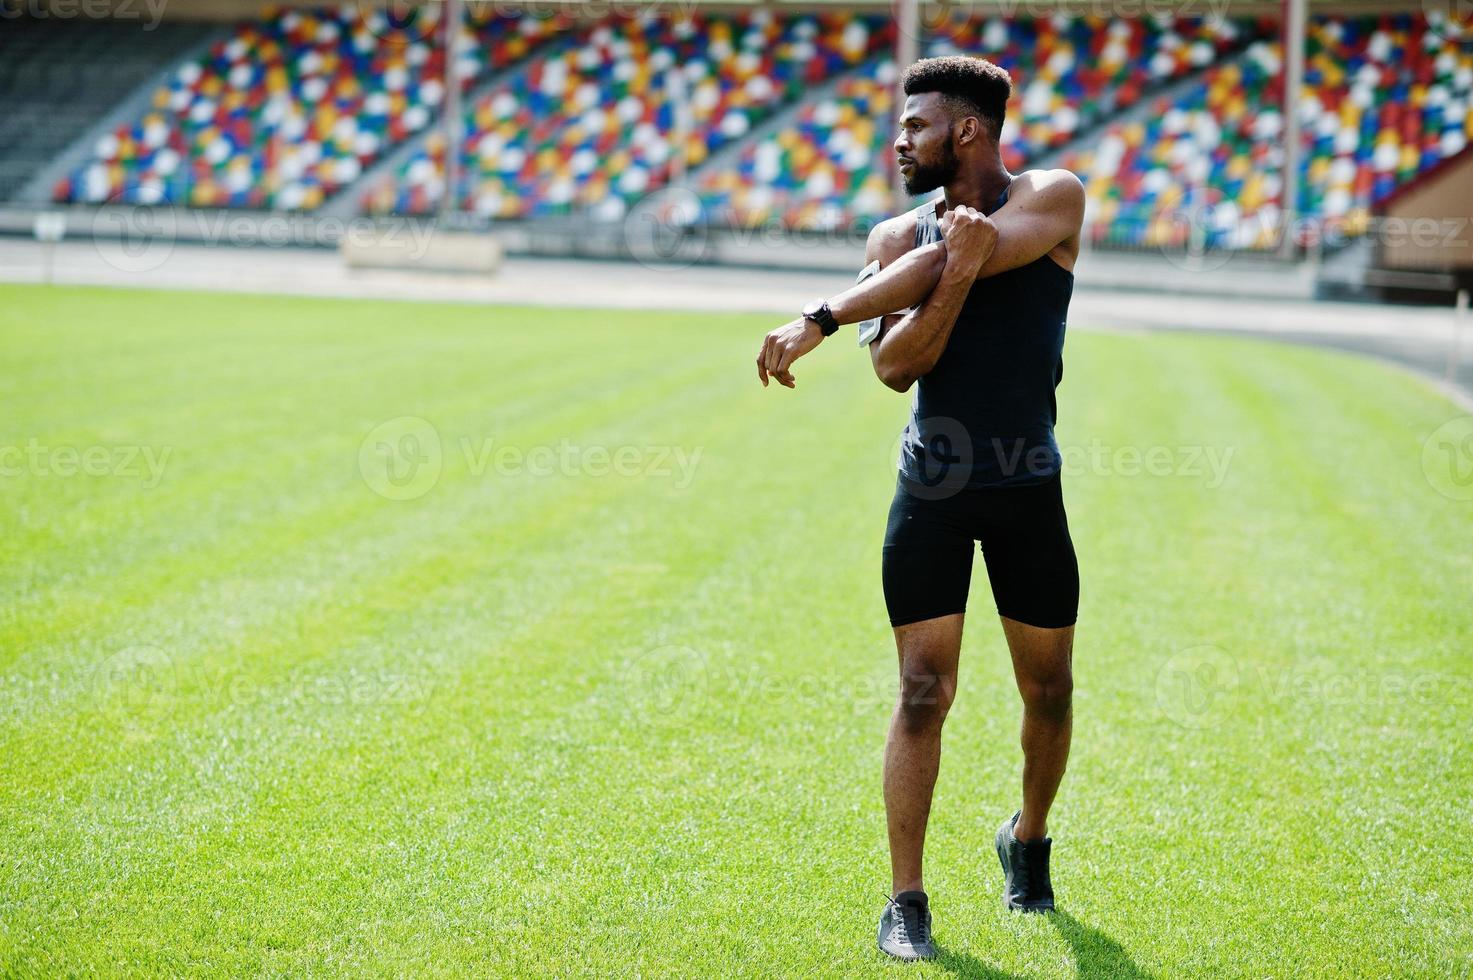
[818, 311]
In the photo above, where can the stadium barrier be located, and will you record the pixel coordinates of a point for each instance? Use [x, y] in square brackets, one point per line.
[143, 238]
[395, 247]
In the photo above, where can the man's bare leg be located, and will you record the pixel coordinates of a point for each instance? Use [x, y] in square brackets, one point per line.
[1043, 668]
[928, 651]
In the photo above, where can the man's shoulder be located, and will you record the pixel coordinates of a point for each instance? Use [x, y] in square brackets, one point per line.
[1063, 184]
[895, 228]
[893, 236]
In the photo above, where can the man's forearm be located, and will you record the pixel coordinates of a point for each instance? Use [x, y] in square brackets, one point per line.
[912, 347]
[903, 284]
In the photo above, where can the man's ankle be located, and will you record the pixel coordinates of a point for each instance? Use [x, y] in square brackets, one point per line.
[1024, 832]
[913, 885]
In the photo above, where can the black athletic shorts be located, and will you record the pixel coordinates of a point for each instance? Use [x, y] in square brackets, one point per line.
[1025, 543]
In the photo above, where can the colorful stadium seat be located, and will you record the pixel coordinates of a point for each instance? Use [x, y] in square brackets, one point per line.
[292, 108]
[1385, 99]
[594, 124]
[832, 167]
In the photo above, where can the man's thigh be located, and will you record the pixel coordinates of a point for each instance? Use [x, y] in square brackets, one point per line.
[1030, 557]
[929, 652]
[1040, 655]
[927, 565]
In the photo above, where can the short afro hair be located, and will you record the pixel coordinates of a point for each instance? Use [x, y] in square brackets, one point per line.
[972, 86]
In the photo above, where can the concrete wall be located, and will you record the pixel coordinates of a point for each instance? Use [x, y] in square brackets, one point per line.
[1429, 224]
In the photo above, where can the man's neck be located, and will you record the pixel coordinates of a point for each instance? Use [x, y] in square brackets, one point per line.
[979, 189]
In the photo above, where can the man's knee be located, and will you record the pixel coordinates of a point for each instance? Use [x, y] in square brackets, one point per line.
[1050, 693]
[925, 697]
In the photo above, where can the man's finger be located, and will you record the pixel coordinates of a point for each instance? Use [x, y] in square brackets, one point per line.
[774, 355]
[761, 371]
[785, 379]
[786, 361]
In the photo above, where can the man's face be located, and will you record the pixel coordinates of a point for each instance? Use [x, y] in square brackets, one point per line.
[926, 146]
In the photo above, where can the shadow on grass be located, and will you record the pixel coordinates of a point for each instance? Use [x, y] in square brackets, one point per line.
[967, 965]
[1096, 955]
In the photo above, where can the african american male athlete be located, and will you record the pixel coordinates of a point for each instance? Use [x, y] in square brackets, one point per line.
[982, 278]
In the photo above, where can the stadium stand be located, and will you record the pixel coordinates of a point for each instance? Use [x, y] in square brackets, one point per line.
[592, 124]
[292, 108]
[831, 167]
[1173, 123]
[64, 76]
[1385, 100]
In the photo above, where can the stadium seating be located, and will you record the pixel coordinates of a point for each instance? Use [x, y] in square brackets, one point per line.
[60, 77]
[828, 166]
[591, 126]
[291, 108]
[1386, 99]
[832, 166]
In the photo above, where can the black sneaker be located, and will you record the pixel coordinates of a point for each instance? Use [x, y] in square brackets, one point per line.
[1026, 884]
[905, 927]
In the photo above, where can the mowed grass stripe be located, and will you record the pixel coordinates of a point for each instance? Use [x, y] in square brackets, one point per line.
[372, 597]
[388, 581]
[1301, 600]
[1336, 482]
[280, 478]
[339, 457]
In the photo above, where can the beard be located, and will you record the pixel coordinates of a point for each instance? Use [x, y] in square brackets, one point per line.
[927, 177]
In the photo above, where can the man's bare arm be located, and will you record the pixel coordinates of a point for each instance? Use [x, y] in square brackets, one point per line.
[910, 345]
[888, 242]
[1046, 212]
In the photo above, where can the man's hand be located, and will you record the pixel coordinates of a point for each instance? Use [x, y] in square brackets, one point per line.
[784, 346]
[970, 238]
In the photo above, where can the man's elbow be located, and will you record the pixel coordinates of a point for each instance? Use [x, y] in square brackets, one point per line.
[895, 376]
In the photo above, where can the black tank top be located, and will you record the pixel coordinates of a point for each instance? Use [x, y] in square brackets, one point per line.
[984, 415]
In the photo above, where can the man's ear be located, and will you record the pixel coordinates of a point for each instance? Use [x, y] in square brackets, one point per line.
[968, 130]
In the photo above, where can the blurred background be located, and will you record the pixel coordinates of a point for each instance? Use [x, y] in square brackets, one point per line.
[1321, 147]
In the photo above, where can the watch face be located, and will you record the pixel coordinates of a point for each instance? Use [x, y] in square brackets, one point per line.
[818, 312]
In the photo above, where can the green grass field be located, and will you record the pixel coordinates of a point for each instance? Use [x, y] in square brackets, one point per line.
[606, 692]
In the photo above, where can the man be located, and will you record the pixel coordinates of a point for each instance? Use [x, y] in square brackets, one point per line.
[984, 275]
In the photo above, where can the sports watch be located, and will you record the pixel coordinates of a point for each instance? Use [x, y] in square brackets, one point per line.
[818, 311]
